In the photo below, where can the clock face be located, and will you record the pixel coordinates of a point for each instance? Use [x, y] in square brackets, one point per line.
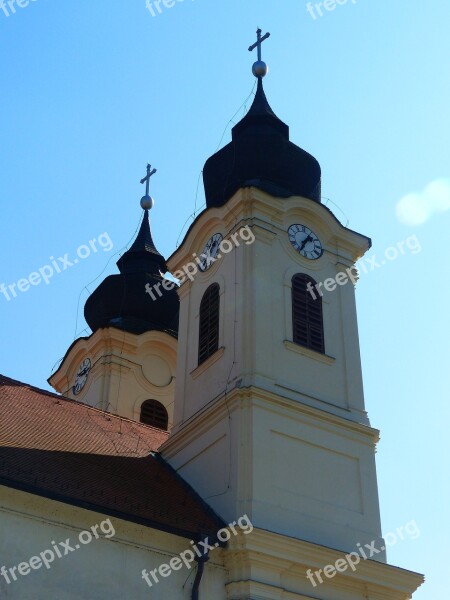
[305, 241]
[210, 252]
[81, 376]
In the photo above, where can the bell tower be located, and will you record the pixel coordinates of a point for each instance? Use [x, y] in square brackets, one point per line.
[127, 365]
[269, 416]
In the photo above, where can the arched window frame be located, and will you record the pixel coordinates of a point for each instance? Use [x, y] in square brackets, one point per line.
[155, 414]
[307, 314]
[209, 323]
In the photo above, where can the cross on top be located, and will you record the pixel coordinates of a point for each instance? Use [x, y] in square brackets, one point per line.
[146, 179]
[259, 42]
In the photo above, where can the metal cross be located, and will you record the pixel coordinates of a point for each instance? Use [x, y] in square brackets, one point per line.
[259, 42]
[150, 172]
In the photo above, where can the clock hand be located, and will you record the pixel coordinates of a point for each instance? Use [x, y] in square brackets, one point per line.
[207, 251]
[305, 241]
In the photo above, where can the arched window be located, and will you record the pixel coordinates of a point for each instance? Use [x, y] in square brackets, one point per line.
[209, 323]
[154, 413]
[307, 319]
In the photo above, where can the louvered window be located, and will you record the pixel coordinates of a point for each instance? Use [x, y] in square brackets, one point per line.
[209, 323]
[154, 413]
[307, 319]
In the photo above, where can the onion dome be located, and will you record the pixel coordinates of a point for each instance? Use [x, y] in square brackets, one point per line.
[261, 155]
[135, 300]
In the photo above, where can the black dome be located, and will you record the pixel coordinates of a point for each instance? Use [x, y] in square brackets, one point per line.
[261, 155]
[121, 301]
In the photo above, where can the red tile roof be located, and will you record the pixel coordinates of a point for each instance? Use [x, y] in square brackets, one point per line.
[68, 451]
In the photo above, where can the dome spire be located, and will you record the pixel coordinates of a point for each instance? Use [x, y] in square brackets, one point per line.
[260, 153]
[147, 201]
[121, 300]
[143, 253]
[259, 69]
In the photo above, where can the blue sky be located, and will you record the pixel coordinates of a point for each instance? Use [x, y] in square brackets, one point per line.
[92, 91]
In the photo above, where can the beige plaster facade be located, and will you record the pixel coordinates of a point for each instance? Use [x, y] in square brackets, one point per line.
[264, 427]
[104, 569]
[292, 441]
[126, 370]
[257, 566]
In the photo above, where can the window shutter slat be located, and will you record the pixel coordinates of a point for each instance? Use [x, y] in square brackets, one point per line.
[307, 315]
[155, 414]
[209, 323]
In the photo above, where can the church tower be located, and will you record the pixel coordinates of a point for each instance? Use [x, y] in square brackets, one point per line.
[269, 409]
[127, 366]
[253, 365]
[269, 417]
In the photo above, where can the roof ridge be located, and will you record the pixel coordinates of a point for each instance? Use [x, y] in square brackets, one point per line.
[33, 387]
[77, 402]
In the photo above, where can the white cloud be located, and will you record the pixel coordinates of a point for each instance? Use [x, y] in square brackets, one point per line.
[418, 207]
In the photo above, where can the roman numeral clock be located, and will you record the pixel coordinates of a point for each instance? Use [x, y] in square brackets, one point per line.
[305, 241]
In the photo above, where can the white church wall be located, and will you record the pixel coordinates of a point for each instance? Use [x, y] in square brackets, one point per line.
[104, 568]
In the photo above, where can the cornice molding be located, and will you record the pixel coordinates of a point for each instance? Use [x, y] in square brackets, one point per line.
[253, 204]
[275, 552]
[109, 345]
[245, 398]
